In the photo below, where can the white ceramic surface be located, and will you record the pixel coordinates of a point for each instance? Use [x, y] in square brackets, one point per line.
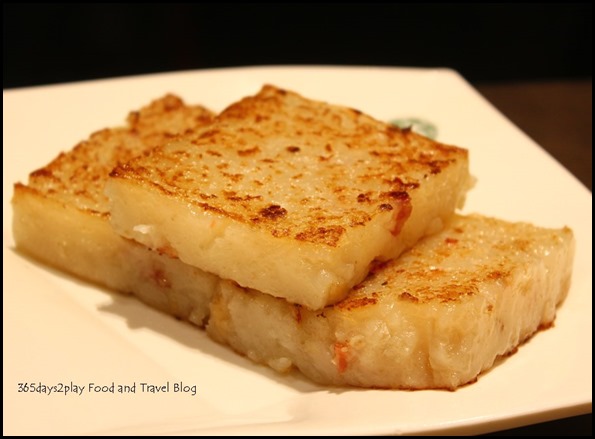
[61, 330]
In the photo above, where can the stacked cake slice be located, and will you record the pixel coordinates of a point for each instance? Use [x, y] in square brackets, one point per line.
[61, 216]
[313, 234]
[289, 196]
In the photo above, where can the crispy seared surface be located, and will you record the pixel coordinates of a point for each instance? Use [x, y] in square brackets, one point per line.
[294, 167]
[78, 177]
[456, 264]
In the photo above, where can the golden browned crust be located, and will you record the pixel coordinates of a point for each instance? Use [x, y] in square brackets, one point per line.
[452, 270]
[295, 167]
[78, 177]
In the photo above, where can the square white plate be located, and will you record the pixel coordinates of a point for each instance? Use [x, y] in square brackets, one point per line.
[60, 330]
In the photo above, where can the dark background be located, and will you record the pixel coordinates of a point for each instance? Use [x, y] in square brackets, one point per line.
[498, 42]
[514, 54]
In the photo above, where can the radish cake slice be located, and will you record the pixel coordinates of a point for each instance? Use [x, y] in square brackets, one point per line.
[289, 196]
[61, 216]
[434, 318]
